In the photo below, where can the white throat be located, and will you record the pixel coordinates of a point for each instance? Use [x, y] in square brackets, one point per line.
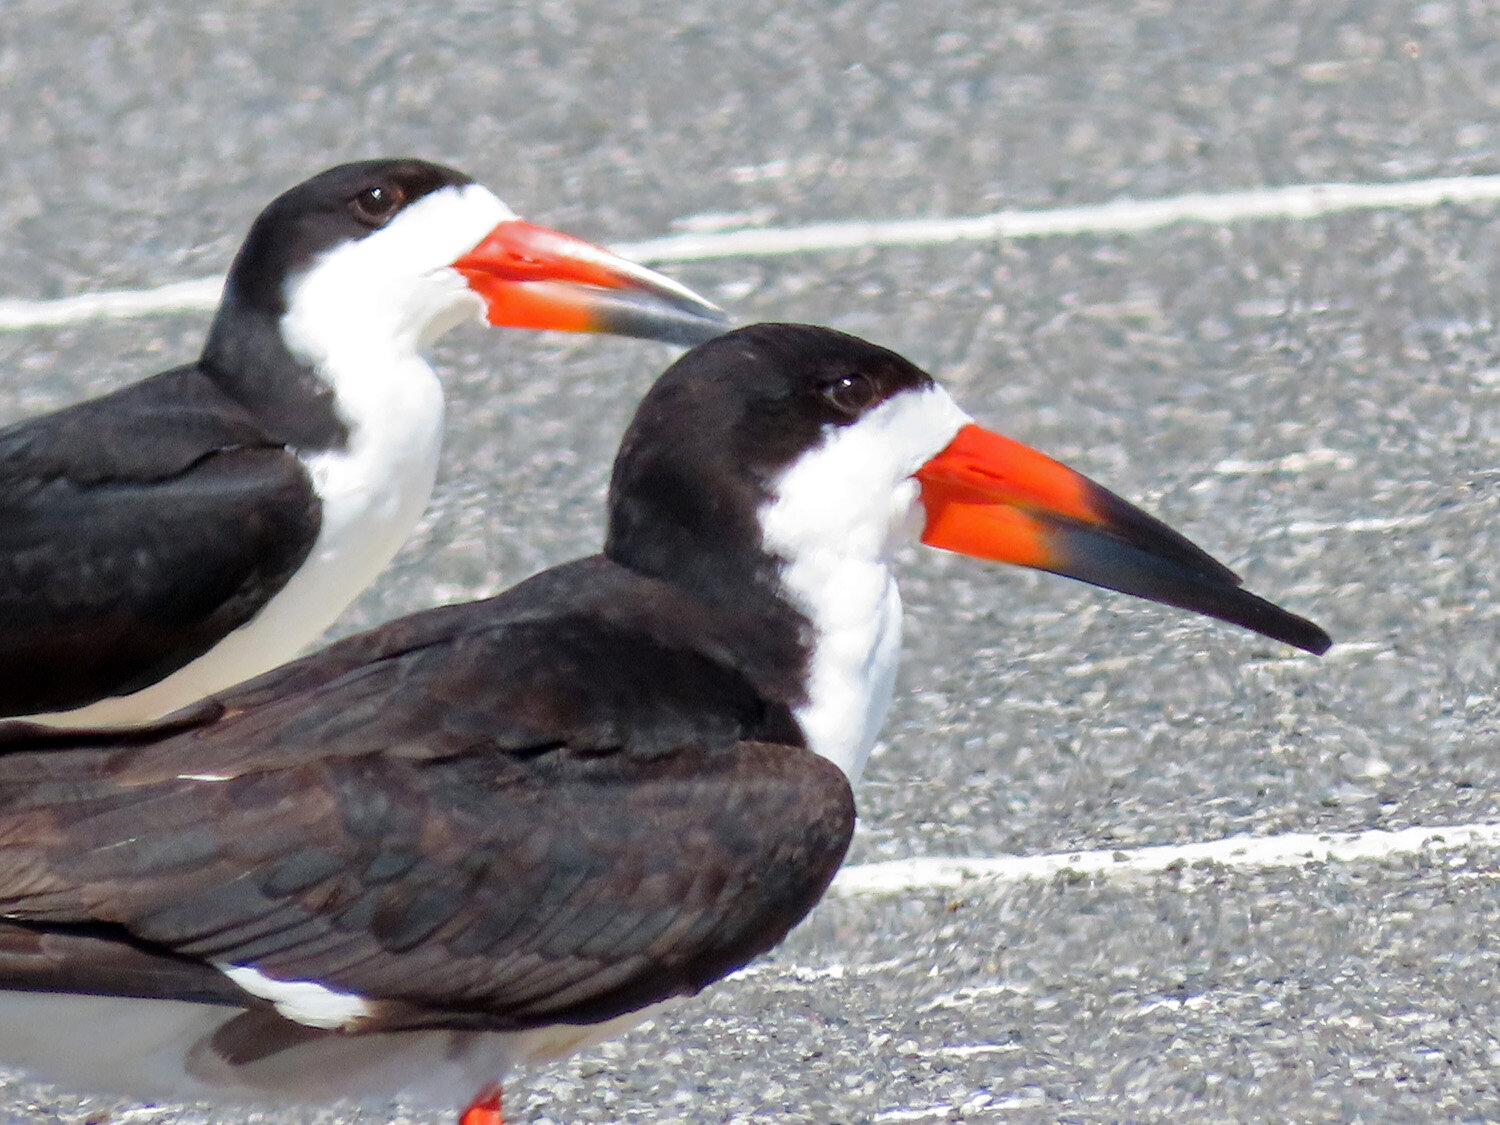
[395, 288]
[361, 317]
[836, 518]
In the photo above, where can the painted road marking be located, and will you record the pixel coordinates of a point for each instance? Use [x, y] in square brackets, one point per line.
[1122, 216]
[1296, 849]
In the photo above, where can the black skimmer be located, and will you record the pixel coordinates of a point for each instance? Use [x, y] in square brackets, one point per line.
[182, 534]
[492, 832]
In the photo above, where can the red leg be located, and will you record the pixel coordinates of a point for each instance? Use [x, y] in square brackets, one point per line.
[484, 1109]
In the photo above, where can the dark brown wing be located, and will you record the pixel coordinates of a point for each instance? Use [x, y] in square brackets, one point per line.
[482, 891]
[545, 820]
[92, 959]
[136, 531]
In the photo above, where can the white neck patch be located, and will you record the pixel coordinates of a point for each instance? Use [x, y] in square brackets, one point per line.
[394, 288]
[360, 317]
[836, 518]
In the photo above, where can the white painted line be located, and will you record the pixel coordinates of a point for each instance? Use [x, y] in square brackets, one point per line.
[977, 1050]
[118, 304]
[1123, 216]
[1291, 463]
[940, 1112]
[1240, 852]
[1366, 523]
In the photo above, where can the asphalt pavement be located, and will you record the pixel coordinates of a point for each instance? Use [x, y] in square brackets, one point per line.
[1315, 401]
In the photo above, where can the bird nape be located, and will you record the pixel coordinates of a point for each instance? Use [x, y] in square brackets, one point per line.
[488, 834]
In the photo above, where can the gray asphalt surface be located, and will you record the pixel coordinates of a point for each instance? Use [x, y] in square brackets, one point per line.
[1180, 367]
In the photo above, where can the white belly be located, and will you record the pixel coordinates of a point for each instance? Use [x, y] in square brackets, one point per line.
[157, 1050]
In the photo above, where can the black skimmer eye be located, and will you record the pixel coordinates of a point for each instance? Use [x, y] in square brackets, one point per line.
[376, 205]
[851, 394]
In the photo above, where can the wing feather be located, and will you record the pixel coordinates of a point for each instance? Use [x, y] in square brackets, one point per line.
[137, 530]
[492, 845]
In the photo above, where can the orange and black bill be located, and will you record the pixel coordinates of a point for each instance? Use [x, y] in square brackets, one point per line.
[533, 277]
[994, 498]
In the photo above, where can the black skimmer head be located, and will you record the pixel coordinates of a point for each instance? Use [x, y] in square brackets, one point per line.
[376, 259]
[190, 531]
[793, 461]
[494, 832]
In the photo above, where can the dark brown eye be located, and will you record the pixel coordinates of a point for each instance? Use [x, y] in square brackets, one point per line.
[850, 394]
[375, 205]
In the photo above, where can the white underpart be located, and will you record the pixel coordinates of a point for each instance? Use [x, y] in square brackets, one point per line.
[160, 1050]
[836, 518]
[304, 1001]
[360, 317]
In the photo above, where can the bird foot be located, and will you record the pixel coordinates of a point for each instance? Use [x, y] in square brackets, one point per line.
[484, 1109]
